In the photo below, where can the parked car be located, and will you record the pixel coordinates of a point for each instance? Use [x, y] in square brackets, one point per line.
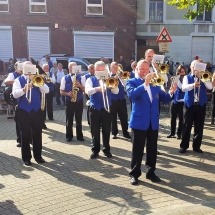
[65, 59]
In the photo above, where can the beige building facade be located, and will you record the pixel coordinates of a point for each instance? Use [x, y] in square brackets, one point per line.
[189, 38]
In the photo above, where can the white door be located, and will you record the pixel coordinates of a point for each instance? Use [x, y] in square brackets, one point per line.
[203, 48]
[38, 42]
[6, 43]
[94, 44]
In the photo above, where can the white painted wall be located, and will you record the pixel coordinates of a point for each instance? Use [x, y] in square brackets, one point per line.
[180, 49]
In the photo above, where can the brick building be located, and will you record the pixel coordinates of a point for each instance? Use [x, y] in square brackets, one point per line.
[85, 28]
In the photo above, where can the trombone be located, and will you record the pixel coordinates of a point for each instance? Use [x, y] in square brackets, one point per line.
[110, 83]
[125, 75]
[37, 81]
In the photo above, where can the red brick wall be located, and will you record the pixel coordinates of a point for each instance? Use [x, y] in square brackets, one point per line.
[119, 16]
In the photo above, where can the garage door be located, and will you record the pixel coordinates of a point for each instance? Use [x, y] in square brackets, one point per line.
[6, 43]
[38, 42]
[94, 44]
[203, 47]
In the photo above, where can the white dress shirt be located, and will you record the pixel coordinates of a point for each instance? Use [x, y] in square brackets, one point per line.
[18, 90]
[60, 75]
[188, 87]
[90, 90]
[10, 77]
[148, 89]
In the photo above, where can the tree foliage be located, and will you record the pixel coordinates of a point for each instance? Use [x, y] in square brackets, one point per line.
[188, 5]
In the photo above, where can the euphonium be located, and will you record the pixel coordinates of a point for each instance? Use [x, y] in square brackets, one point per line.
[75, 89]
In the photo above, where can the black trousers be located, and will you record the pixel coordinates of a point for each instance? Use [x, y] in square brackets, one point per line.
[58, 95]
[138, 138]
[49, 105]
[100, 118]
[18, 140]
[30, 124]
[74, 109]
[196, 114]
[119, 108]
[176, 110]
[213, 104]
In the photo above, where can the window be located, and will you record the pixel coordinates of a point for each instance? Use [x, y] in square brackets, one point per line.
[206, 16]
[94, 7]
[156, 11]
[38, 6]
[4, 6]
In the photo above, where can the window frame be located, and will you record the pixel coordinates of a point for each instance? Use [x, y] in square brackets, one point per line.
[203, 17]
[156, 9]
[94, 5]
[6, 3]
[37, 3]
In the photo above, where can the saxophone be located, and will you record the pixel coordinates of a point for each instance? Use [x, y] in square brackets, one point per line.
[75, 89]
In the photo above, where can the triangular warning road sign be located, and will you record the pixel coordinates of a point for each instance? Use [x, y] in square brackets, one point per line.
[164, 36]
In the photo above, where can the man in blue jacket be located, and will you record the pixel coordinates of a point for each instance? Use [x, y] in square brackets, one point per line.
[144, 120]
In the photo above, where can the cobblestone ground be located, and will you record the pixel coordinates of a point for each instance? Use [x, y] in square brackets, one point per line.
[70, 183]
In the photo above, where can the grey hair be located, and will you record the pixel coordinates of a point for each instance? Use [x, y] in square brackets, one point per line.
[59, 64]
[99, 63]
[72, 63]
[45, 64]
[148, 50]
[90, 66]
[55, 62]
[141, 62]
[134, 62]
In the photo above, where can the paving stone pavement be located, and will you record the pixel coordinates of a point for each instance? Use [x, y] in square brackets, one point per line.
[70, 183]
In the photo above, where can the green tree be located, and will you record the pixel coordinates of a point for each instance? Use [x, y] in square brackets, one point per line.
[188, 5]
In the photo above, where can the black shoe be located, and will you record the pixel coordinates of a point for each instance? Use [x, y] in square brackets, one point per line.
[178, 137]
[182, 150]
[108, 154]
[27, 163]
[44, 126]
[153, 178]
[40, 160]
[198, 150]
[134, 181]
[68, 139]
[114, 137]
[128, 136]
[93, 155]
[18, 144]
[171, 135]
[81, 139]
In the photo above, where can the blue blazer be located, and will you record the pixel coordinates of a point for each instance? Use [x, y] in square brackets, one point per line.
[144, 111]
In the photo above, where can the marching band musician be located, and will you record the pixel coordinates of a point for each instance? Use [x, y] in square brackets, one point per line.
[30, 116]
[118, 106]
[50, 81]
[178, 103]
[75, 107]
[149, 56]
[144, 120]
[91, 70]
[195, 108]
[9, 81]
[98, 113]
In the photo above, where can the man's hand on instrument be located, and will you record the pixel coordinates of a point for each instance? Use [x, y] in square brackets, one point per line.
[196, 84]
[77, 83]
[27, 86]
[148, 78]
[70, 94]
[173, 89]
[99, 89]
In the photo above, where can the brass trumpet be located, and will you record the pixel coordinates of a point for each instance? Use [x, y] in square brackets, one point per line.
[157, 81]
